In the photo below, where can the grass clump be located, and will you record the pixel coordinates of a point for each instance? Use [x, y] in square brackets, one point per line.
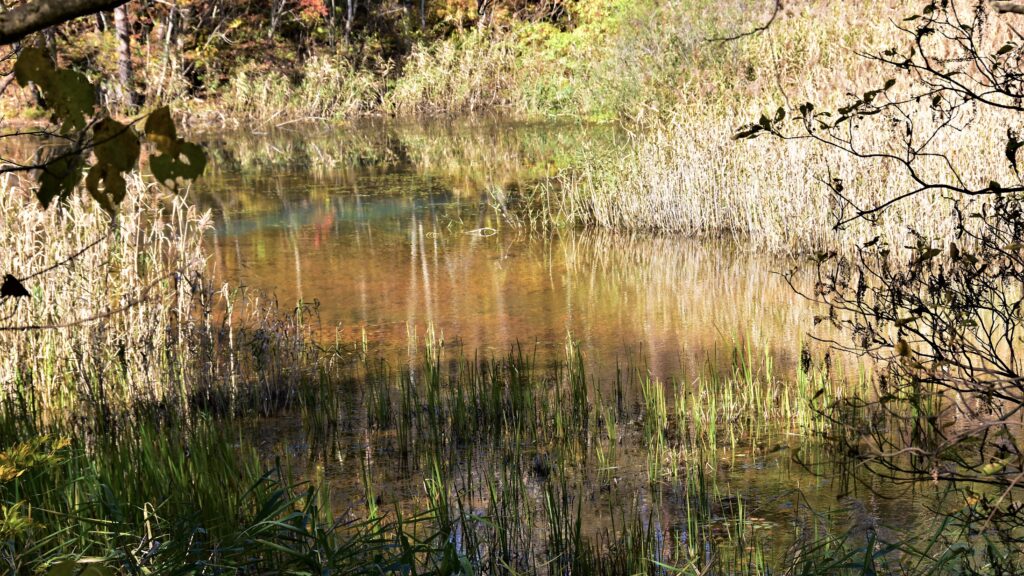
[689, 177]
[168, 500]
[328, 88]
[110, 304]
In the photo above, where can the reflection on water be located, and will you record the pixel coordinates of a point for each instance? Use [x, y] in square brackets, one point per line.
[393, 229]
[407, 236]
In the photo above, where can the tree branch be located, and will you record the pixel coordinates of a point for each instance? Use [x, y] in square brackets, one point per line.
[37, 15]
[1011, 6]
[752, 31]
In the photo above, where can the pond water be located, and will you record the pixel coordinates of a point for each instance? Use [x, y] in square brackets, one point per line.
[395, 230]
[404, 235]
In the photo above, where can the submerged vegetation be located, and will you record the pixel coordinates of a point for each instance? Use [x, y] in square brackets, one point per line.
[157, 417]
[238, 442]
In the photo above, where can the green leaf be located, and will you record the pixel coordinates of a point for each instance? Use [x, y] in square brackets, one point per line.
[113, 189]
[160, 130]
[117, 151]
[929, 254]
[187, 160]
[747, 132]
[65, 568]
[58, 177]
[993, 468]
[116, 144]
[178, 158]
[1013, 145]
[68, 94]
[13, 288]
[88, 567]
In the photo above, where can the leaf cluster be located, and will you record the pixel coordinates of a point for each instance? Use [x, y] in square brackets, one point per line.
[86, 141]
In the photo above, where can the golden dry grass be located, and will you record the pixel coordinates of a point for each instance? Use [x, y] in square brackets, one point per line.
[686, 175]
[113, 316]
[125, 315]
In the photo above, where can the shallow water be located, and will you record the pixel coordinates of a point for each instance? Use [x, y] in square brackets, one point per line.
[410, 239]
[396, 230]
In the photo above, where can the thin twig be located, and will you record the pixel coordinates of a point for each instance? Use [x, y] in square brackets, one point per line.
[751, 32]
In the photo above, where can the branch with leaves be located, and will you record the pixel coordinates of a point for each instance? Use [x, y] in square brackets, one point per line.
[83, 130]
[942, 319]
[85, 143]
[947, 87]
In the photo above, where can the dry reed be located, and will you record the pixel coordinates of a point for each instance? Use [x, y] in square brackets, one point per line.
[123, 315]
[686, 175]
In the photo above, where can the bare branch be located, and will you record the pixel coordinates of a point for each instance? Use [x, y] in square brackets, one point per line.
[751, 32]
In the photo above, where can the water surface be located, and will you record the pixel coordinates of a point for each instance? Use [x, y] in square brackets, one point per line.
[396, 230]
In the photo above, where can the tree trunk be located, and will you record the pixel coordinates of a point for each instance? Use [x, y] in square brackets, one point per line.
[350, 14]
[277, 8]
[164, 32]
[483, 13]
[124, 57]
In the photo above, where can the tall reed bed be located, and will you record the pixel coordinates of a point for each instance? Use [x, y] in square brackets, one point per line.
[690, 178]
[683, 173]
[327, 87]
[123, 315]
[110, 303]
